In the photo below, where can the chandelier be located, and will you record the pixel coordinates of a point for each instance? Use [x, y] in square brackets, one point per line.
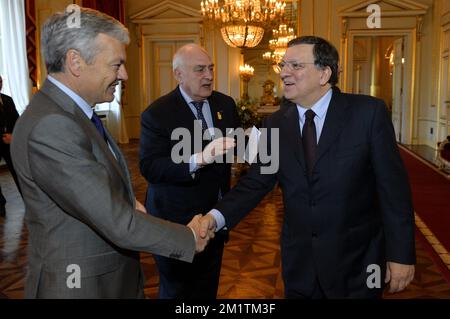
[278, 45]
[242, 22]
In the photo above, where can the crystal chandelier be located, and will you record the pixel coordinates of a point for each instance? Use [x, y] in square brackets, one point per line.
[242, 22]
[278, 45]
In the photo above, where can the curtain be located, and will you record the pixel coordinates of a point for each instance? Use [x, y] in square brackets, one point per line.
[114, 8]
[14, 52]
[30, 22]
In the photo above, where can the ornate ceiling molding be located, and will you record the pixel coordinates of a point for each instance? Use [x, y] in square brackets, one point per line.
[167, 12]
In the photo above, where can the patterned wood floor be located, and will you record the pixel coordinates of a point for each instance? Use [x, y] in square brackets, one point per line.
[251, 264]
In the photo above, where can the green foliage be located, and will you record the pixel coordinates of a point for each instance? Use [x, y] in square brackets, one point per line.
[248, 114]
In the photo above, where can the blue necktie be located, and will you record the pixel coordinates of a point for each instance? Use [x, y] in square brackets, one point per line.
[199, 106]
[99, 125]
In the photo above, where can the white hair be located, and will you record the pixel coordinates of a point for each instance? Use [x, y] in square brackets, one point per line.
[180, 55]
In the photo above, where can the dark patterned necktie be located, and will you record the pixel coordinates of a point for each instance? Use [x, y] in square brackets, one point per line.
[309, 140]
[99, 125]
[199, 106]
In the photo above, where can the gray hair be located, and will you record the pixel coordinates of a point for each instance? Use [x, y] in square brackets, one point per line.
[58, 36]
[179, 57]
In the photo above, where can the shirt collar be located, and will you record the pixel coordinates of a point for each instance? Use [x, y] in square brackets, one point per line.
[82, 104]
[186, 97]
[320, 107]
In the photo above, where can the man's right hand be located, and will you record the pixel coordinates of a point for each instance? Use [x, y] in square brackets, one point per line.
[216, 148]
[201, 233]
[207, 225]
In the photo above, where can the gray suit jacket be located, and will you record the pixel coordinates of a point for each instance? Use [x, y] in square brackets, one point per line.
[80, 207]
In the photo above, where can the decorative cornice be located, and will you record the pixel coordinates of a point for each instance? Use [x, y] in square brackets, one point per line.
[405, 8]
[155, 14]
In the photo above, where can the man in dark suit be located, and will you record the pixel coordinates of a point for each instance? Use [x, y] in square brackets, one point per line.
[8, 118]
[178, 189]
[85, 226]
[348, 221]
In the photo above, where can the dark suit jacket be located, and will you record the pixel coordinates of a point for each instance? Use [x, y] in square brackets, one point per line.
[80, 206]
[173, 193]
[355, 211]
[8, 115]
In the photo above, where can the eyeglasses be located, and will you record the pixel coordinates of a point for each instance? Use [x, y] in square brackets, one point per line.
[293, 65]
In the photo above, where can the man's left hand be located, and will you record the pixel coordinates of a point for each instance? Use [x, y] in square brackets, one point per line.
[399, 276]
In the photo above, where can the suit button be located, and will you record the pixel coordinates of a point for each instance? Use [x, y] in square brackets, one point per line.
[314, 235]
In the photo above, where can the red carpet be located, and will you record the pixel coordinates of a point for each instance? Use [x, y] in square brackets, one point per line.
[431, 197]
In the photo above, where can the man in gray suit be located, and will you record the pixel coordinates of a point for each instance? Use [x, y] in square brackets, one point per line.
[85, 226]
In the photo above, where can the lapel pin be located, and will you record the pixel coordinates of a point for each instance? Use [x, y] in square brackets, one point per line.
[219, 116]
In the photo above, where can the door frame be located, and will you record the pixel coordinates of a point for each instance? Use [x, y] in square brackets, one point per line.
[401, 69]
[409, 116]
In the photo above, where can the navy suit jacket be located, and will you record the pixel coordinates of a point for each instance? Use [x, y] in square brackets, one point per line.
[354, 212]
[8, 114]
[173, 193]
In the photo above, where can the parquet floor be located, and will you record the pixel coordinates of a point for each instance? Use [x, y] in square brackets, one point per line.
[251, 263]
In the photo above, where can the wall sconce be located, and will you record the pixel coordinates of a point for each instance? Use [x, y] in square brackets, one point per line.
[246, 73]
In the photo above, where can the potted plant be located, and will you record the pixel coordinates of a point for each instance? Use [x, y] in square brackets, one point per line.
[248, 114]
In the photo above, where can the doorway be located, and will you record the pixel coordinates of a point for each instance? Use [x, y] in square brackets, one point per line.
[378, 71]
[382, 64]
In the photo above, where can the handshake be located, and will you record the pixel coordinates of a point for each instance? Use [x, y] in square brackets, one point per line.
[204, 228]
